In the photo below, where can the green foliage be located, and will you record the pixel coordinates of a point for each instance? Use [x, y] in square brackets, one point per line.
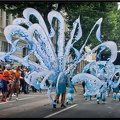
[89, 13]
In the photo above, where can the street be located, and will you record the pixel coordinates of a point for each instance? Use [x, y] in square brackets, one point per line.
[37, 105]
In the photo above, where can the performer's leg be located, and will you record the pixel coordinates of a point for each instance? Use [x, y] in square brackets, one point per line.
[56, 98]
[98, 98]
[63, 100]
[118, 96]
[11, 91]
[104, 97]
[114, 96]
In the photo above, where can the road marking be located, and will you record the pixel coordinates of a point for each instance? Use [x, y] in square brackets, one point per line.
[60, 111]
[16, 100]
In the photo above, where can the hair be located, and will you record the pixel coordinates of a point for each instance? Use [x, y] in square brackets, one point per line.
[117, 74]
[12, 72]
[3, 68]
[88, 71]
[70, 78]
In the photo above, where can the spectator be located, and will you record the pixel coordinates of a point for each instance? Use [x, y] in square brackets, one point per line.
[26, 85]
[1, 82]
[6, 77]
[13, 84]
[3, 68]
[17, 81]
[22, 80]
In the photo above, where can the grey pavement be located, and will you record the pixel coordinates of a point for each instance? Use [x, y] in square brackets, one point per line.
[37, 105]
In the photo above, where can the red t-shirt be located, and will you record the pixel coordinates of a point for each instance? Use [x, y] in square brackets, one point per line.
[17, 74]
[1, 76]
[6, 75]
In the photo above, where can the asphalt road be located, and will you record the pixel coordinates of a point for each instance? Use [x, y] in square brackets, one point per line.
[37, 105]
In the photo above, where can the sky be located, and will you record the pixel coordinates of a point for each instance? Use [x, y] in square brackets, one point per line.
[118, 5]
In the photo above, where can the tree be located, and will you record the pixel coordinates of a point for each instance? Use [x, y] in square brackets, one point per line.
[89, 13]
[117, 30]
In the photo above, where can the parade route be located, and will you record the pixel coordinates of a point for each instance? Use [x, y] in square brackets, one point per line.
[37, 105]
[60, 111]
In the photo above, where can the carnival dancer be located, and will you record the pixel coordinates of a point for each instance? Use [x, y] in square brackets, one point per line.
[70, 94]
[103, 89]
[61, 90]
[109, 83]
[115, 88]
[85, 94]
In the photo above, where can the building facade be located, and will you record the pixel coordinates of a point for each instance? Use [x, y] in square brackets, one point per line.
[5, 20]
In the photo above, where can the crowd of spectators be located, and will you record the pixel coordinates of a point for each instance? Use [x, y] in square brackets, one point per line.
[12, 82]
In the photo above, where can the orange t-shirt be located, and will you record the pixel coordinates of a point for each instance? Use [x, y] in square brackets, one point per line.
[12, 75]
[17, 74]
[6, 75]
[1, 76]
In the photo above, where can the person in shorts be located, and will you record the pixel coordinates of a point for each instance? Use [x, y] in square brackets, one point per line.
[6, 77]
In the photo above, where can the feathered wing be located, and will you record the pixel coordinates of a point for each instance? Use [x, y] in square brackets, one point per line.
[41, 22]
[98, 32]
[77, 56]
[93, 84]
[69, 44]
[20, 21]
[43, 47]
[109, 68]
[61, 36]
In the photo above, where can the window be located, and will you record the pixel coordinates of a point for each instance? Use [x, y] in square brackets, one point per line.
[0, 17]
[7, 19]
[25, 51]
[5, 46]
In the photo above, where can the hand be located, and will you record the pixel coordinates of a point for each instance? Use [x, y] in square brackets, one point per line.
[21, 77]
